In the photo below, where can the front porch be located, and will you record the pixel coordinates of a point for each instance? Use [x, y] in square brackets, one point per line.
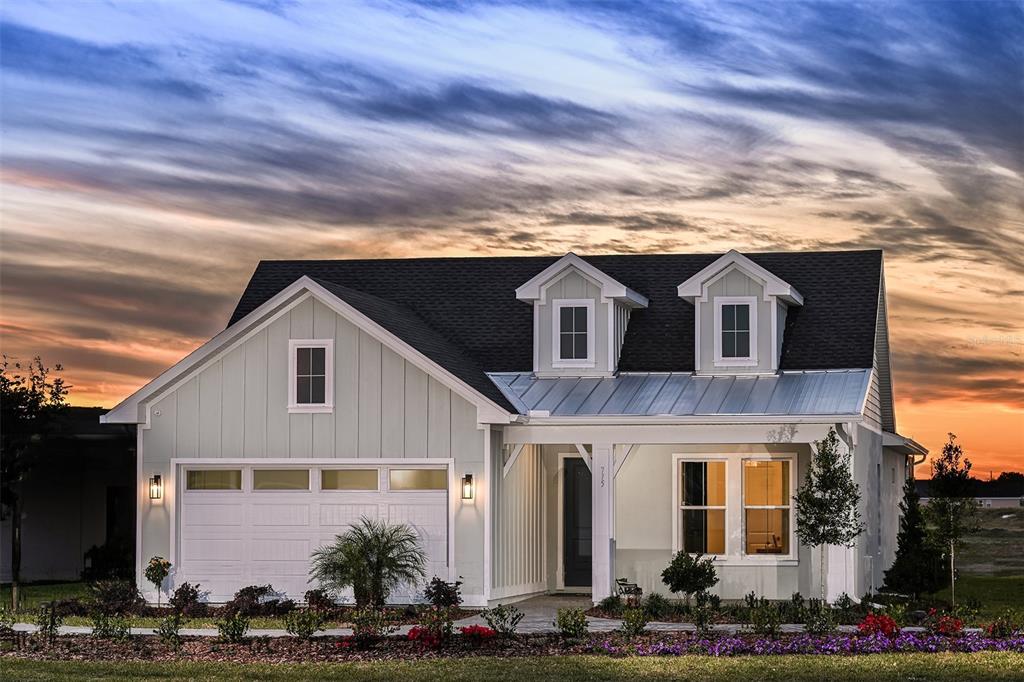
[576, 507]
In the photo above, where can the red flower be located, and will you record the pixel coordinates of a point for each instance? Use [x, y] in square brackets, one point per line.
[874, 624]
[478, 633]
[423, 636]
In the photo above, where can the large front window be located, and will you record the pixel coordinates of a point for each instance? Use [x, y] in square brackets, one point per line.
[766, 506]
[702, 507]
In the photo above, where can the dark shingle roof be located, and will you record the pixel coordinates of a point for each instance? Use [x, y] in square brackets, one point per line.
[463, 313]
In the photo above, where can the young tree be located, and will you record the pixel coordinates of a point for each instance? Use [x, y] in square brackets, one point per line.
[30, 403]
[916, 567]
[952, 510]
[826, 502]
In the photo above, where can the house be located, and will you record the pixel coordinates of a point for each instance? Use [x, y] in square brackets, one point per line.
[546, 424]
[77, 503]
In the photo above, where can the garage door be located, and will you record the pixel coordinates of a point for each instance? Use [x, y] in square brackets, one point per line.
[256, 524]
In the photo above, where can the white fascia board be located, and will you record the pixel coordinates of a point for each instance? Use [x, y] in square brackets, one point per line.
[610, 288]
[692, 288]
[128, 411]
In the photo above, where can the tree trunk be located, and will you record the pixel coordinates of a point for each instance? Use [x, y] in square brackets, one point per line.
[822, 572]
[952, 575]
[15, 553]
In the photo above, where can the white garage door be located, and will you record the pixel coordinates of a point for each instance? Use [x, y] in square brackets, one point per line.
[256, 524]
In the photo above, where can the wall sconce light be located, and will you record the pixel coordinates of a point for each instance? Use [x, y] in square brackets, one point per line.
[156, 487]
[467, 487]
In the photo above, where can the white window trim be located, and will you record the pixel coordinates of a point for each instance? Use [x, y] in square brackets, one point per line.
[328, 404]
[792, 555]
[677, 493]
[556, 324]
[750, 360]
[735, 542]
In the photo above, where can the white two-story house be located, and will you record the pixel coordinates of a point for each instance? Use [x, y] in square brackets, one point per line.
[546, 424]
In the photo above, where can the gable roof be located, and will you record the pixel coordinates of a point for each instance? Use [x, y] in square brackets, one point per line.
[411, 328]
[471, 304]
[774, 285]
[610, 288]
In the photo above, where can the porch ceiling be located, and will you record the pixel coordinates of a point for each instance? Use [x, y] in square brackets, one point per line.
[832, 392]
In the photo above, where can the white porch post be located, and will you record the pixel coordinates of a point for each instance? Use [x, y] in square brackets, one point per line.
[603, 553]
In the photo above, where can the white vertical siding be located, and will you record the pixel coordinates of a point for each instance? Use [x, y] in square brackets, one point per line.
[237, 406]
[517, 521]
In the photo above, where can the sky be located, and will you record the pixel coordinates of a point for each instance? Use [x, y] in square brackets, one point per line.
[153, 152]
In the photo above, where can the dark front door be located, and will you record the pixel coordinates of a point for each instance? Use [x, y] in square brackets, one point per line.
[577, 523]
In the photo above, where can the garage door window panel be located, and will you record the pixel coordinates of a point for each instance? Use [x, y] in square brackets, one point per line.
[417, 479]
[353, 480]
[280, 479]
[213, 479]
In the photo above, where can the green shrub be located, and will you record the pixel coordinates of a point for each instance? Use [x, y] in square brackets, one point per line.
[369, 626]
[169, 630]
[898, 612]
[443, 594]
[233, 627]
[304, 623]
[319, 600]
[438, 622]
[107, 626]
[612, 605]
[634, 622]
[49, 620]
[690, 574]
[571, 623]
[766, 619]
[115, 597]
[656, 606]
[156, 572]
[6, 621]
[185, 601]
[1006, 624]
[373, 558]
[819, 619]
[705, 606]
[503, 619]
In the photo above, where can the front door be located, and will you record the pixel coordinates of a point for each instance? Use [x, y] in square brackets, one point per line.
[576, 531]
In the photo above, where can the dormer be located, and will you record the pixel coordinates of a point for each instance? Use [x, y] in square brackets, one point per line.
[579, 318]
[739, 316]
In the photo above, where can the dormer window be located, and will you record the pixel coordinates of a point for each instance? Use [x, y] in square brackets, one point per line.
[573, 333]
[735, 331]
[311, 375]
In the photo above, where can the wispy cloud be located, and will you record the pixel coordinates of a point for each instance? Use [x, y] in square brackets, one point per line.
[153, 153]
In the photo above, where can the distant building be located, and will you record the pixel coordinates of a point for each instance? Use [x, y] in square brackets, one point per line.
[1006, 491]
[79, 497]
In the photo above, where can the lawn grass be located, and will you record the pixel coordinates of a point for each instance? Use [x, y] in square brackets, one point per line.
[994, 593]
[987, 666]
[34, 595]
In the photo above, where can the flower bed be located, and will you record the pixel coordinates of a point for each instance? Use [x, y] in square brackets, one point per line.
[325, 649]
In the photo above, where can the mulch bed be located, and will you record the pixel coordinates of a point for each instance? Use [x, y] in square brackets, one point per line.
[335, 649]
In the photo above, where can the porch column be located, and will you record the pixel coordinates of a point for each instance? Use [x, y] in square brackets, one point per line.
[603, 551]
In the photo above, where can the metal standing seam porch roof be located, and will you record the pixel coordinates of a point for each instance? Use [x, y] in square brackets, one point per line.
[792, 393]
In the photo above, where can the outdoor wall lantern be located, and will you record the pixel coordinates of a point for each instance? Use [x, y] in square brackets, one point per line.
[156, 487]
[467, 487]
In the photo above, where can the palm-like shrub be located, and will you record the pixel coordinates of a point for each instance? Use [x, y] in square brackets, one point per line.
[373, 558]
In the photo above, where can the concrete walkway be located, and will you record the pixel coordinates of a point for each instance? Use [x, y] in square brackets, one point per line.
[538, 618]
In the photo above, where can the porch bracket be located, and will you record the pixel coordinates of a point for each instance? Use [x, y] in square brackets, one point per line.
[516, 451]
[626, 452]
[585, 455]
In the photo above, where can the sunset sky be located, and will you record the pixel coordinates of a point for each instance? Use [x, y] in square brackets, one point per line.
[152, 153]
